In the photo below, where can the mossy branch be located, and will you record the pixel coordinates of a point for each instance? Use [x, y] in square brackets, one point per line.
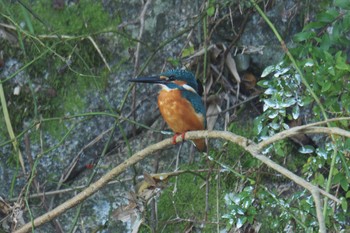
[253, 148]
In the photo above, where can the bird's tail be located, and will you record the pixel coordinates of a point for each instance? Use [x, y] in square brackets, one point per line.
[200, 144]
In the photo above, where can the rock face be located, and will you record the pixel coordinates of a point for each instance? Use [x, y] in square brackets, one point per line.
[75, 141]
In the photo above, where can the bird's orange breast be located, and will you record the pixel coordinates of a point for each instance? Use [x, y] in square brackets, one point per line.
[178, 112]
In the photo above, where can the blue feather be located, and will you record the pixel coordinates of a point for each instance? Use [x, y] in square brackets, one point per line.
[183, 75]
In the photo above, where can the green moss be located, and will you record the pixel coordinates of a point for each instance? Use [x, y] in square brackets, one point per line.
[187, 203]
[84, 17]
[53, 88]
[236, 153]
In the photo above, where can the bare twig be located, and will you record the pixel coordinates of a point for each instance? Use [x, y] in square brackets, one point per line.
[99, 52]
[142, 28]
[137, 57]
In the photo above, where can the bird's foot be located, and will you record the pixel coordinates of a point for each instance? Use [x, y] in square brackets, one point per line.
[178, 134]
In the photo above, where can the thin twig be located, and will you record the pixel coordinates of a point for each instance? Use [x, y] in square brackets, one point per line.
[99, 52]
[142, 28]
[127, 179]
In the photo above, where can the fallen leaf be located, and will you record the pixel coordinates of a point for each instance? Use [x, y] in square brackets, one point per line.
[231, 64]
[213, 110]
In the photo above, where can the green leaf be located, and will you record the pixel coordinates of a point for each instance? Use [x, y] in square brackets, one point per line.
[280, 150]
[258, 124]
[272, 114]
[302, 36]
[308, 100]
[211, 11]
[174, 62]
[325, 42]
[331, 70]
[241, 221]
[188, 51]
[263, 83]
[345, 4]
[295, 112]
[314, 25]
[340, 178]
[341, 62]
[342, 66]
[288, 102]
[346, 21]
[344, 183]
[309, 62]
[274, 126]
[327, 17]
[344, 204]
[347, 195]
[270, 91]
[326, 86]
[319, 179]
[306, 149]
[268, 70]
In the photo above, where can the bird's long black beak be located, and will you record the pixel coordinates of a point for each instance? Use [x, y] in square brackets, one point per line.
[151, 79]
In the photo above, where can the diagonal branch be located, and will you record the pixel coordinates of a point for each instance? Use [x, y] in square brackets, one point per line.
[245, 143]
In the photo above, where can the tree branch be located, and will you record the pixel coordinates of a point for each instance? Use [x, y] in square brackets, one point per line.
[248, 145]
[302, 130]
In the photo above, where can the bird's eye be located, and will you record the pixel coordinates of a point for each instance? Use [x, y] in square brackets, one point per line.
[171, 78]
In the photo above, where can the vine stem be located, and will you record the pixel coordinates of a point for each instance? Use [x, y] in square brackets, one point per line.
[9, 127]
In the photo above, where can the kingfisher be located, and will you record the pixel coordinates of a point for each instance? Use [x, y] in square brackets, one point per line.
[179, 102]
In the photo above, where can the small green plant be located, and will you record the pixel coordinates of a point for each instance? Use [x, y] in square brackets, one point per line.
[282, 93]
[241, 206]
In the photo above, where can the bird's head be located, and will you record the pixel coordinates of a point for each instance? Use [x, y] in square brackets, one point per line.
[173, 79]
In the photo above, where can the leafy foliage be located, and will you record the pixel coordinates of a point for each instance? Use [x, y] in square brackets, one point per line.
[241, 206]
[322, 53]
[282, 93]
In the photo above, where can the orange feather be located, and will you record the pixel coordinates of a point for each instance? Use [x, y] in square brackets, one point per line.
[180, 115]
